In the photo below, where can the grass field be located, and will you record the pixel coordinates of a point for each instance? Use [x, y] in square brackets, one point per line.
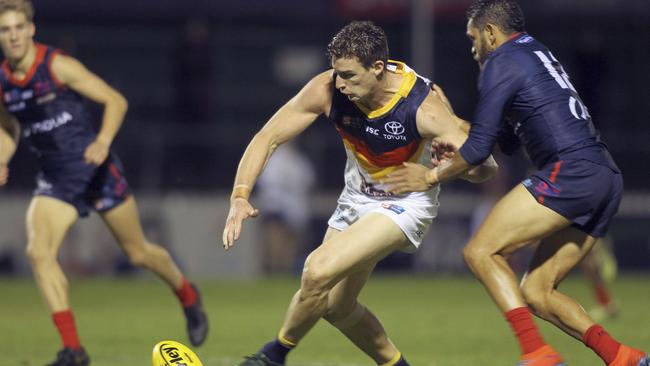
[433, 320]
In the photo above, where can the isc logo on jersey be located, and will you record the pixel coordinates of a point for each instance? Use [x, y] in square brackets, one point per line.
[171, 353]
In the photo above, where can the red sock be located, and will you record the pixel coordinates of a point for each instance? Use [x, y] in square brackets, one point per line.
[601, 342]
[521, 321]
[602, 295]
[186, 294]
[64, 321]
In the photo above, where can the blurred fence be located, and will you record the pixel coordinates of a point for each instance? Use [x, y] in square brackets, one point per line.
[190, 226]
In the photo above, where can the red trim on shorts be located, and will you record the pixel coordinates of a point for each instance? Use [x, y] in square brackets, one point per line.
[556, 171]
[540, 199]
[40, 55]
[112, 168]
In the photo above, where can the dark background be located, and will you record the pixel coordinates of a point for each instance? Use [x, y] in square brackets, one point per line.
[203, 76]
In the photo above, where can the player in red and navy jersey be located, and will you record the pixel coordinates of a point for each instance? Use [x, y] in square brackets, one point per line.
[42, 95]
[386, 115]
[526, 97]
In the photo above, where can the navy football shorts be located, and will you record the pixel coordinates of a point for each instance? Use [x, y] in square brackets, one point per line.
[85, 186]
[584, 192]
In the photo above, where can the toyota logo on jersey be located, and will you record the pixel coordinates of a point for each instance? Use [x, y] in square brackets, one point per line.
[394, 128]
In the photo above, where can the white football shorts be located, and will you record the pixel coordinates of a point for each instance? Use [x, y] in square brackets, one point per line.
[412, 215]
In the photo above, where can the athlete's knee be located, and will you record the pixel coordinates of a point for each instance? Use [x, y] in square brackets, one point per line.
[316, 278]
[38, 251]
[138, 253]
[474, 254]
[536, 295]
[314, 282]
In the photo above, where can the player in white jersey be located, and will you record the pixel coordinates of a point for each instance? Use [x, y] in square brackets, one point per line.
[386, 116]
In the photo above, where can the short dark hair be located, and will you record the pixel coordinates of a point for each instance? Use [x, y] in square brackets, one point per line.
[363, 40]
[506, 14]
[21, 6]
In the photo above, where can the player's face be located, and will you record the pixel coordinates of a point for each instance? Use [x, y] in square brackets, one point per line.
[355, 81]
[16, 33]
[480, 50]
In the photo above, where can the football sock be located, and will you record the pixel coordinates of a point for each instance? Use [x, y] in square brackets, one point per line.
[401, 362]
[186, 293]
[64, 321]
[398, 360]
[602, 295]
[601, 342]
[277, 350]
[521, 321]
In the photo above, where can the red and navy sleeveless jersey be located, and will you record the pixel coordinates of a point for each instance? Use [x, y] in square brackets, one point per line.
[52, 117]
[379, 141]
[525, 96]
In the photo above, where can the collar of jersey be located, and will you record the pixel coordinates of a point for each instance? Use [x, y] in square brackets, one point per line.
[40, 56]
[408, 80]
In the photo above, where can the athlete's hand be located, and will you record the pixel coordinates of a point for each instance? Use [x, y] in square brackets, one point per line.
[240, 210]
[4, 174]
[96, 152]
[441, 151]
[408, 178]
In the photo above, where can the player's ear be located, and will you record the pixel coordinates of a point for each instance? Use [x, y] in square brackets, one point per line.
[491, 33]
[377, 67]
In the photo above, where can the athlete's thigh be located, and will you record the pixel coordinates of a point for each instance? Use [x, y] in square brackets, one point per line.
[48, 220]
[124, 223]
[330, 233]
[515, 221]
[358, 247]
[557, 254]
[346, 291]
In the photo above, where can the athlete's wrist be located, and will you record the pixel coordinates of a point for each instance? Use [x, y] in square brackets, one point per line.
[106, 140]
[431, 176]
[240, 191]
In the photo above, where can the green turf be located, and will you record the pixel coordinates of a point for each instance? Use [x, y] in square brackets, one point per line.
[433, 320]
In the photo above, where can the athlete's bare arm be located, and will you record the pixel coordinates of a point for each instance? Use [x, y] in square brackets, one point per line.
[9, 137]
[435, 119]
[75, 75]
[295, 116]
[451, 129]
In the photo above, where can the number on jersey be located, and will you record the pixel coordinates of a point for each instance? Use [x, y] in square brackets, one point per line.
[578, 109]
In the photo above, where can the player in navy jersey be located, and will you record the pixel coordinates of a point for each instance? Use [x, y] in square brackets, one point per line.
[527, 98]
[42, 94]
[386, 116]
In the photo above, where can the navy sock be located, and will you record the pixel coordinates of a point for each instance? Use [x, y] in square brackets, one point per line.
[276, 351]
[401, 362]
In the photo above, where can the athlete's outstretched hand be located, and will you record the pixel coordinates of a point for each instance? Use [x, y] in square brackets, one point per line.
[410, 177]
[4, 174]
[441, 151]
[96, 152]
[240, 210]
